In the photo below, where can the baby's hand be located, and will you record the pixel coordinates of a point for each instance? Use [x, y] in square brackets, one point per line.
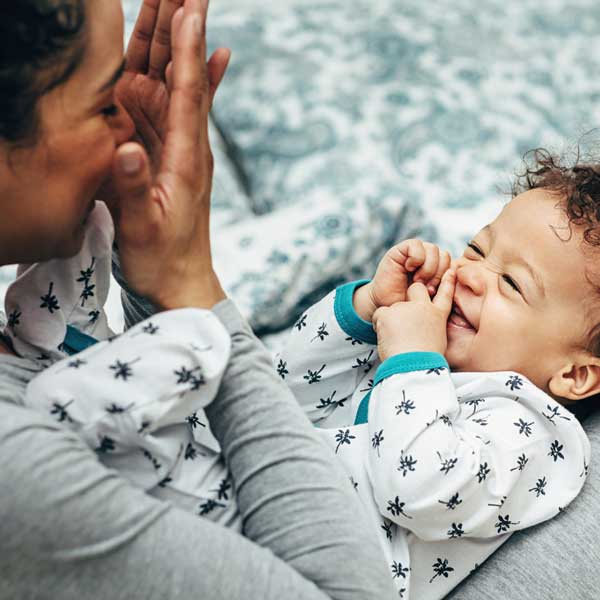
[408, 262]
[418, 325]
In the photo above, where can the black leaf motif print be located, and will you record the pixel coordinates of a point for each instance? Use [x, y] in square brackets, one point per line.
[405, 406]
[152, 459]
[88, 288]
[484, 471]
[151, 329]
[313, 376]
[123, 370]
[554, 412]
[190, 452]
[353, 483]
[364, 362]
[456, 530]
[322, 333]
[369, 386]
[447, 464]
[106, 445]
[441, 568]
[223, 490]
[514, 382]
[343, 437]
[87, 293]
[376, 440]
[208, 506]
[88, 273]
[94, 315]
[300, 323]
[556, 450]
[353, 341]
[60, 410]
[521, 462]
[539, 489]
[282, 370]
[387, 527]
[407, 463]
[436, 370]
[524, 427]
[163, 483]
[50, 301]
[504, 523]
[398, 570]
[498, 504]
[14, 319]
[474, 402]
[329, 401]
[445, 419]
[115, 409]
[452, 502]
[194, 421]
[190, 377]
[397, 508]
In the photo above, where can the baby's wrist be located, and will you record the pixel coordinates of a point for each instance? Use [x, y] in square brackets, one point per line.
[363, 303]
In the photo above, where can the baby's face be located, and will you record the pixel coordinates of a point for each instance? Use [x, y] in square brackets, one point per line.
[522, 295]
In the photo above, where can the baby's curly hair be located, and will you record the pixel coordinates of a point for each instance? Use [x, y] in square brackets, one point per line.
[578, 186]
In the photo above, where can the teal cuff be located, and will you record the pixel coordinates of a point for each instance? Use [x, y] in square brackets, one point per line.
[400, 363]
[76, 341]
[348, 318]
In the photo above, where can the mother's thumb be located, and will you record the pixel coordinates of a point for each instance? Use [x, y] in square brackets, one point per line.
[132, 178]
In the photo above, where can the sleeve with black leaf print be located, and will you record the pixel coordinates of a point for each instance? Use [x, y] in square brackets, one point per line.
[121, 395]
[475, 455]
[329, 357]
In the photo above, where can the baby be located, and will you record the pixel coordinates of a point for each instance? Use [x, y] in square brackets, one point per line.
[448, 412]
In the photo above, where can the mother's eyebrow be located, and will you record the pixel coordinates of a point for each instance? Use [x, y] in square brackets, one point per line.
[113, 80]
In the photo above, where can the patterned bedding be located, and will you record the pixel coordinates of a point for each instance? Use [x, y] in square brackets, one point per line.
[343, 126]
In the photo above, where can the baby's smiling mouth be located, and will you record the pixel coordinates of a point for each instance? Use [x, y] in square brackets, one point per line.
[458, 319]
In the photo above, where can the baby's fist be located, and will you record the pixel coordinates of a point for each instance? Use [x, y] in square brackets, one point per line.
[418, 325]
[409, 262]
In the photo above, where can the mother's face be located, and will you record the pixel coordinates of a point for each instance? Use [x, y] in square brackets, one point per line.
[48, 190]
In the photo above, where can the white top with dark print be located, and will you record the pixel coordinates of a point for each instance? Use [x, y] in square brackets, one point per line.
[448, 464]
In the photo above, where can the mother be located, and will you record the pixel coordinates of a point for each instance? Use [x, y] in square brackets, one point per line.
[70, 527]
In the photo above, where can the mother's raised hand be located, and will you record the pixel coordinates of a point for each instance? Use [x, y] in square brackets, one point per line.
[163, 218]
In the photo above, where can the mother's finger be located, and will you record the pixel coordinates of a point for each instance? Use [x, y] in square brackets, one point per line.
[138, 49]
[160, 49]
[188, 110]
[217, 65]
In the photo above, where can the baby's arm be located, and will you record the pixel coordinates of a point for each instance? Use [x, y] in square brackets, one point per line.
[329, 353]
[502, 461]
[118, 394]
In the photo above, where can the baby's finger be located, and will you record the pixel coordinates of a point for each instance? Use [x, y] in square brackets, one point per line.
[414, 253]
[445, 294]
[443, 266]
[430, 265]
[417, 292]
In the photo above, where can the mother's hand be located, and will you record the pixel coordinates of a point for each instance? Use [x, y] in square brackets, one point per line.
[143, 90]
[162, 217]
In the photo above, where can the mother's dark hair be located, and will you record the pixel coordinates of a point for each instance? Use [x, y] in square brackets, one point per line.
[41, 44]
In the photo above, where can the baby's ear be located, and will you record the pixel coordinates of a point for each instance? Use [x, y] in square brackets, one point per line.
[577, 380]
